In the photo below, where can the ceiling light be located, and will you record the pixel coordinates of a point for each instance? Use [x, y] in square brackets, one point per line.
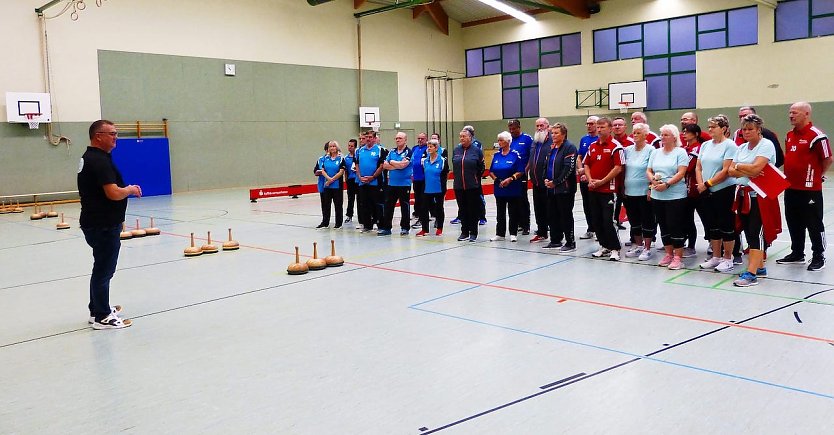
[509, 10]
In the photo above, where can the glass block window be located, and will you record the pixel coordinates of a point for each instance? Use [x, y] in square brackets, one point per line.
[518, 63]
[798, 19]
[668, 49]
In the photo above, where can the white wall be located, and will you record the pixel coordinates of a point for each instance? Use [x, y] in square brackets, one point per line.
[278, 31]
[726, 77]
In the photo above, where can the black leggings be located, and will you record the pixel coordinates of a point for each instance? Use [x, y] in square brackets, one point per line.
[505, 204]
[335, 197]
[640, 216]
[669, 214]
[433, 202]
[719, 214]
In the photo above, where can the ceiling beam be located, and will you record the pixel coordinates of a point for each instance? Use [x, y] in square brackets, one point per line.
[358, 3]
[769, 3]
[436, 12]
[577, 8]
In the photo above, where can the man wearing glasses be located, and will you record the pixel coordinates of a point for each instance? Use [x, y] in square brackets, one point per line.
[103, 204]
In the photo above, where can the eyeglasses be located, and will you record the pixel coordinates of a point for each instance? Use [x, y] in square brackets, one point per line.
[111, 133]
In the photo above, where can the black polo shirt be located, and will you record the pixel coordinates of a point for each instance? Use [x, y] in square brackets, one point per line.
[95, 170]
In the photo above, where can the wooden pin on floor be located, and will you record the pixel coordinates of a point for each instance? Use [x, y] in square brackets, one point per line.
[138, 232]
[192, 251]
[333, 260]
[62, 225]
[36, 215]
[297, 268]
[152, 230]
[17, 208]
[52, 213]
[209, 248]
[316, 263]
[230, 245]
[125, 234]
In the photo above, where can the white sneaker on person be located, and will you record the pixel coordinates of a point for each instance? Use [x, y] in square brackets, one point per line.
[114, 309]
[112, 321]
[615, 255]
[725, 266]
[634, 252]
[601, 253]
[513, 238]
[712, 263]
[645, 255]
[496, 239]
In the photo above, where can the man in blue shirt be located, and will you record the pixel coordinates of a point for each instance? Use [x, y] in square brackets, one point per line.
[419, 177]
[584, 144]
[399, 167]
[368, 163]
[522, 143]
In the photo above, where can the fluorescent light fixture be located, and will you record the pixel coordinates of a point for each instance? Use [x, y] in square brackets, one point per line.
[509, 10]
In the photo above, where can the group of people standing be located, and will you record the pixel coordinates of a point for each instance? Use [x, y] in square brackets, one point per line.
[662, 180]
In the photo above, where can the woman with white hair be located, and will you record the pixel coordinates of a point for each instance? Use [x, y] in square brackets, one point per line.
[666, 171]
[506, 170]
[638, 206]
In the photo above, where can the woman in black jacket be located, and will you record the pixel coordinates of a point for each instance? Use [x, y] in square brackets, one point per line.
[560, 181]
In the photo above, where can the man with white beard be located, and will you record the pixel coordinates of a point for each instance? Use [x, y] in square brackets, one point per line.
[537, 168]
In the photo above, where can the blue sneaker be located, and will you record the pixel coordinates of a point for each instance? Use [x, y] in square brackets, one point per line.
[383, 233]
[482, 222]
[455, 221]
[761, 272]
[746, 279]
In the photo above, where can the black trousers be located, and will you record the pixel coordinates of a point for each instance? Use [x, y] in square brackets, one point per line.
[369, 205]
[106, 244]
[803, 211]
[335, 197]
[419, 200]
[352, 189]
[719, 215]
[560, 216]
[392, 195]
[751, 223]
[692, 205]
[469, 210]
[602, 215]
[505, 205]
[669, 214]
[434, 205]
[586, 205]
[640, 216]
[540, 210]
[524, 207]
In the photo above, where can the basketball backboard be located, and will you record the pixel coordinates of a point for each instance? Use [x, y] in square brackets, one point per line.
[632, 93]
[18, 104]
[369, 118]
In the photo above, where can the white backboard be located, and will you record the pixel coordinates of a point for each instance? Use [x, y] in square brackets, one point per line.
[18, 104]
[369, 117]
[633, 93]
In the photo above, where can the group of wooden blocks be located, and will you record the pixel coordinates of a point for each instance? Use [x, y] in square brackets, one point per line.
[10, 208]
[209, 247]
[315, 263]
[139, 232]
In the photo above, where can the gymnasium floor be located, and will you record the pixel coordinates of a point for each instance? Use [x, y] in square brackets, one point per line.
[410, 336]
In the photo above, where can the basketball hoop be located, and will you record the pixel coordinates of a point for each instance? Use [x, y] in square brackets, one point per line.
[32, 121]
[624, 106]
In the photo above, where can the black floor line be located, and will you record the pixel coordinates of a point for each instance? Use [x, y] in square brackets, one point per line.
[607, 369]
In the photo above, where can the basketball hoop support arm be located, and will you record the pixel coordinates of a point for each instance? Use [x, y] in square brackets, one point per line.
[41, 9]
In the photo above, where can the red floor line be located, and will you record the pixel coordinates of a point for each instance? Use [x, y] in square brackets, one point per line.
[566, 298]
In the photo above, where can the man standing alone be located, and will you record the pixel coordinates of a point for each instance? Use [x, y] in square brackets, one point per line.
[103, 205]
[807, 157]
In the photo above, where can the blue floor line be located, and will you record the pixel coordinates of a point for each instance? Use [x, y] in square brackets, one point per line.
[493, 281]
[622, 352]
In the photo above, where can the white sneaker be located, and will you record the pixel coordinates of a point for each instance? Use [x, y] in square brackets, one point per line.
[645, 255]
[634, 252]
[112, 322]
[711, 263]
[115, 309]
[601, 253]
[496, 239]
[615, 255]
[513, 238]
[725, 266]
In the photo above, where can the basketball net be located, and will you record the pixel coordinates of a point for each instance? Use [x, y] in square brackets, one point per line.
[32, 121]
[624, 106]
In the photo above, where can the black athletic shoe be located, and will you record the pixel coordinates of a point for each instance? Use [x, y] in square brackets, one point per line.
[322, 225]
[552, 245]
[463, 237]
[817, 263]
[793, 258]
[568, 247]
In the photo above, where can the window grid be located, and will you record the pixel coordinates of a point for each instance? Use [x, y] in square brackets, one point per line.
[520, 88]
[668, 75]
[725, 29]
[811, 18]
[497, 59]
